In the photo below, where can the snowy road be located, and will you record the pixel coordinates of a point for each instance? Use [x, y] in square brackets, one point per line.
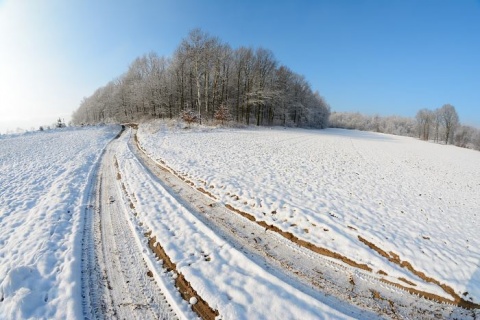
[230, 262]
[117, 281]
[131, 202]
[121, 233]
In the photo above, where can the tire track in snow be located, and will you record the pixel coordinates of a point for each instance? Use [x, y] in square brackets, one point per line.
[370, 293]
[116, 282]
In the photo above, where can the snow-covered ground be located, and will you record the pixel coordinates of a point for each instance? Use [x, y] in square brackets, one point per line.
[228, 280]
[43, 182]
[358, 194]
[416, 201]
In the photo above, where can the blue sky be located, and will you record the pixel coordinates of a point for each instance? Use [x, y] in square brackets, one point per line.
[374, 57]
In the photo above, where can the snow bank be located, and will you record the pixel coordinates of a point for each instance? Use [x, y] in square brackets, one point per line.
[43, 179]
[416, 199]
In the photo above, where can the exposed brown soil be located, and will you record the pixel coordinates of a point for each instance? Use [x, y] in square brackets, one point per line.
[376, 294]
[407, 281]
[457, 300]
[132, 125]
[166, 168]
[395, 258]
[285, 234]
[206, 192]
[201, 308]
[300, 242]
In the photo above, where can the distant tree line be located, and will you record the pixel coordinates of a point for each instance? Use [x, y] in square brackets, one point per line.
[441, 125]
[400, 126]
[207, 80]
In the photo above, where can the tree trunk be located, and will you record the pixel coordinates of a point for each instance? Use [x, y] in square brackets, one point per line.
[238, 96]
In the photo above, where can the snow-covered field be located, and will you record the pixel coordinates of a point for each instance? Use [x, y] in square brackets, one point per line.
[415, 201]
[406, 209]
[222, 275]
[43, 182]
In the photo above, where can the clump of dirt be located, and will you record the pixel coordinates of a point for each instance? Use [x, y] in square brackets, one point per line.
[352, 282]
[407, 281]
[376, 294]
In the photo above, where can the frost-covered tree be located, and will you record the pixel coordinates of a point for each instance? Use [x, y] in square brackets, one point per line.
[450, 121]
[424, 119]
[203, 74]
[465, 137]
[391, 125]
[476, 140]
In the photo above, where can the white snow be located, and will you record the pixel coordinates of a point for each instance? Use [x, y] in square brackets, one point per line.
[44, 176]
[224, 277]
[193, 300]
[416, 199]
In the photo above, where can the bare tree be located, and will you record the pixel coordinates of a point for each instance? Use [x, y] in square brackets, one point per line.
[464, 137]
[424, 119]
[202, 75]
[450, 121]
[437, 121]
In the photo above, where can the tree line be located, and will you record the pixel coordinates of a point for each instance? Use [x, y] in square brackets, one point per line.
[441, 125]
[204, 78]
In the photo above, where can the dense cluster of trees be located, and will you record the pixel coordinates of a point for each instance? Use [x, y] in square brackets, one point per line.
[441, 122]
[205, 76]
[441, 125]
